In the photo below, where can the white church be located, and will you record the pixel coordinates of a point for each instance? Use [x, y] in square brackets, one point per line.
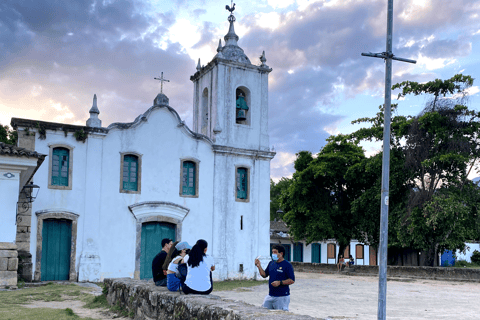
[109, 195]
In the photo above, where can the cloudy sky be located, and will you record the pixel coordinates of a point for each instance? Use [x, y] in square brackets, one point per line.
[54, 55]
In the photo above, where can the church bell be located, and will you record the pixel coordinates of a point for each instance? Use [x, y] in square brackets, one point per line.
[241, 116]
[241, 108]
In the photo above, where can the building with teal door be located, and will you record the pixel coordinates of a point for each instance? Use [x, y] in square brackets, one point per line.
[125, 186]
[57, 238]
[152, 235]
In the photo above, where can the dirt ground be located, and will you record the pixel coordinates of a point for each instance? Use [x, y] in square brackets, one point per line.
[77, 306]
[337, 296]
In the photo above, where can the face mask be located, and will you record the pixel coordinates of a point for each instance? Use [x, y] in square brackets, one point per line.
[274, 257]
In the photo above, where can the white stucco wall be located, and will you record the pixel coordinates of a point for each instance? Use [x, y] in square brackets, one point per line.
[13, 174]
[471, 247]
[106, 242]
[9, 189]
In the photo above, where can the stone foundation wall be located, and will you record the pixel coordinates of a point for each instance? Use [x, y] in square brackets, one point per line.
[431, 273]
[146, 301]
[8, 264]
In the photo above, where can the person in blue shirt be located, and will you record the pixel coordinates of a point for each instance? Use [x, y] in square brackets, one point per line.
[281, 277]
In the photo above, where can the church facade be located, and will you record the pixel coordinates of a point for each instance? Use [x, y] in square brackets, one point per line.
[108, 195]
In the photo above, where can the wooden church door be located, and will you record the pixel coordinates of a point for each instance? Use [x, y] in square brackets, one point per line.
[56, 248]
[152, 235]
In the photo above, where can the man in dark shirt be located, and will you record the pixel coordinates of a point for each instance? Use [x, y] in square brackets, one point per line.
[281, 276]
[159, 276]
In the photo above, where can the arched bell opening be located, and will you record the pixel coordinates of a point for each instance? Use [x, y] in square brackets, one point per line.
[242, 106]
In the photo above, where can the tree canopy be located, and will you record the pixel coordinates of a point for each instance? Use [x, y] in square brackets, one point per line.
[433, 205]
[7, 135]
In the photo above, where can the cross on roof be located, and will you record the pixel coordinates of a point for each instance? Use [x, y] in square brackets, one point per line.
[162, 80]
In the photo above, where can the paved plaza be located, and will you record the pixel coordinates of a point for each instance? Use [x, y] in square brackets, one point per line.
[338, 296]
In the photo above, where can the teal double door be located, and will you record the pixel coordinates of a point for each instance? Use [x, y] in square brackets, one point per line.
[152, 235]
[56, 249]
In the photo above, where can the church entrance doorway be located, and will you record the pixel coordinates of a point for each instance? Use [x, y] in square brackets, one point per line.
[152, 235]
[56, 249]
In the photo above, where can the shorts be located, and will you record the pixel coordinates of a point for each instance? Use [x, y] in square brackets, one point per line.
[276, 303]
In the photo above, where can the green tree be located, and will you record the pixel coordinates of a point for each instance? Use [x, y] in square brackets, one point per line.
[318, 201]
[276, 190]
[8, 135]
[438, 149]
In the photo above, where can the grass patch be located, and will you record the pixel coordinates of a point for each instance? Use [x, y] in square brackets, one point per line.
[11, 301]
[465, 264]
[49, 292]
[97, 302]
[229, 285]
[22, 313]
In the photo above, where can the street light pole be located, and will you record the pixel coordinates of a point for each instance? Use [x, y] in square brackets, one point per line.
[388, 56]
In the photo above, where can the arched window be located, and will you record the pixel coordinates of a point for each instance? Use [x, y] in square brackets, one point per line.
[242, 106]
[130, 173]
[204, 111]
[242, 183]
[60, 166]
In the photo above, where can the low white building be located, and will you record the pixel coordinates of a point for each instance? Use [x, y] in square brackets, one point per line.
[110, 194]
[319, 252]
[17, 167]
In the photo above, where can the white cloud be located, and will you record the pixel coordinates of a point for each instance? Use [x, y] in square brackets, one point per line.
[269, 20]
[433, 64]
[473, 90]
[282, 165]
[280, 3]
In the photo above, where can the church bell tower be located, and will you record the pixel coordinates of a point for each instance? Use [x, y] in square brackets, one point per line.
[230, 103]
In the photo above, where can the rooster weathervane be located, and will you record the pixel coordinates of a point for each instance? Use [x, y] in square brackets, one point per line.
[230, 9]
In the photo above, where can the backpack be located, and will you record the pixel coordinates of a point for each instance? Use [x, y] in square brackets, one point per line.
[182, 272]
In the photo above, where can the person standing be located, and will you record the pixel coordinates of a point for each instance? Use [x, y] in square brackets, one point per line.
[160, 275]
[200, 267]
[281, 277]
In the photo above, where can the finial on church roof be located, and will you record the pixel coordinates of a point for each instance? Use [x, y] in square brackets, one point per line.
[231, 50]
[263, 59]
[93, 121]
[94, 108]
[219, 50]
[231, 38]
[199, 66]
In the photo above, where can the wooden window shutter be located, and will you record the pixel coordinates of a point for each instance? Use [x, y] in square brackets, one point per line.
[188, 178]
[331, 251]
[359, 251]
[60, 165]
[130, 173]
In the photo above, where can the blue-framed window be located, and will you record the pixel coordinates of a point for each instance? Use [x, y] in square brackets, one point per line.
[189, 175]
[60, 166]
[130, 173]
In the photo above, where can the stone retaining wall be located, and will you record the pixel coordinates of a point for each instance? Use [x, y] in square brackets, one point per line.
[431, 273]
[146, 301]
[8, 264]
